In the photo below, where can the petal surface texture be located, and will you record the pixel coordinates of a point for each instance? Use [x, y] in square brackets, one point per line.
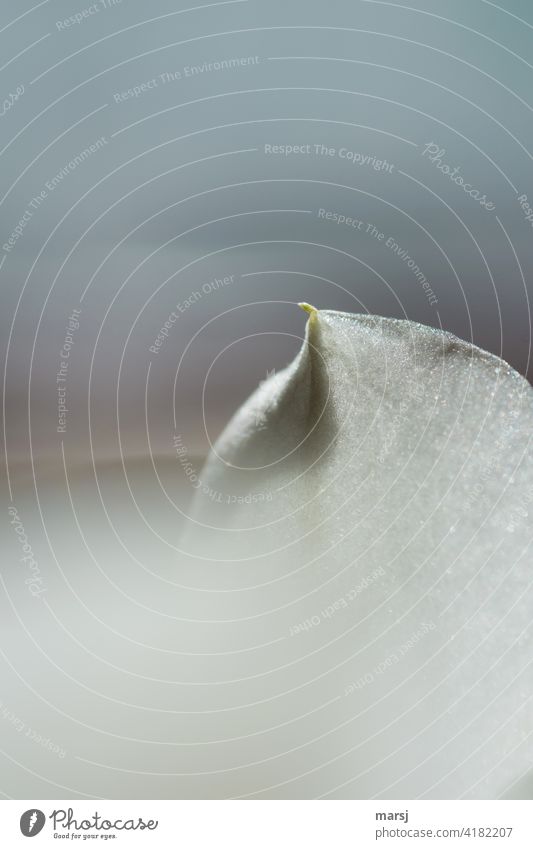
[368, 511]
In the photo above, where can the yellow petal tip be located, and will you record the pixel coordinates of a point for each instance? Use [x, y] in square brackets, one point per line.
[308, 308]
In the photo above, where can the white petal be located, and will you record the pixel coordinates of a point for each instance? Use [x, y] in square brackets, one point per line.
[385, 500]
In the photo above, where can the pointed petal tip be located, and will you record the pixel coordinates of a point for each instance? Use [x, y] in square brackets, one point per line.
[308, 308]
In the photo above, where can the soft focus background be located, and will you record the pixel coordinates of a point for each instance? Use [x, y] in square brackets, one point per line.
[174, 180]
[181, 191]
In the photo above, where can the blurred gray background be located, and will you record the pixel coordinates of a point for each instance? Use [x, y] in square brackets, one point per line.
[185, 187]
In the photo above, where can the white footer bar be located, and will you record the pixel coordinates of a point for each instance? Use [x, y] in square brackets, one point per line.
[268, 824]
